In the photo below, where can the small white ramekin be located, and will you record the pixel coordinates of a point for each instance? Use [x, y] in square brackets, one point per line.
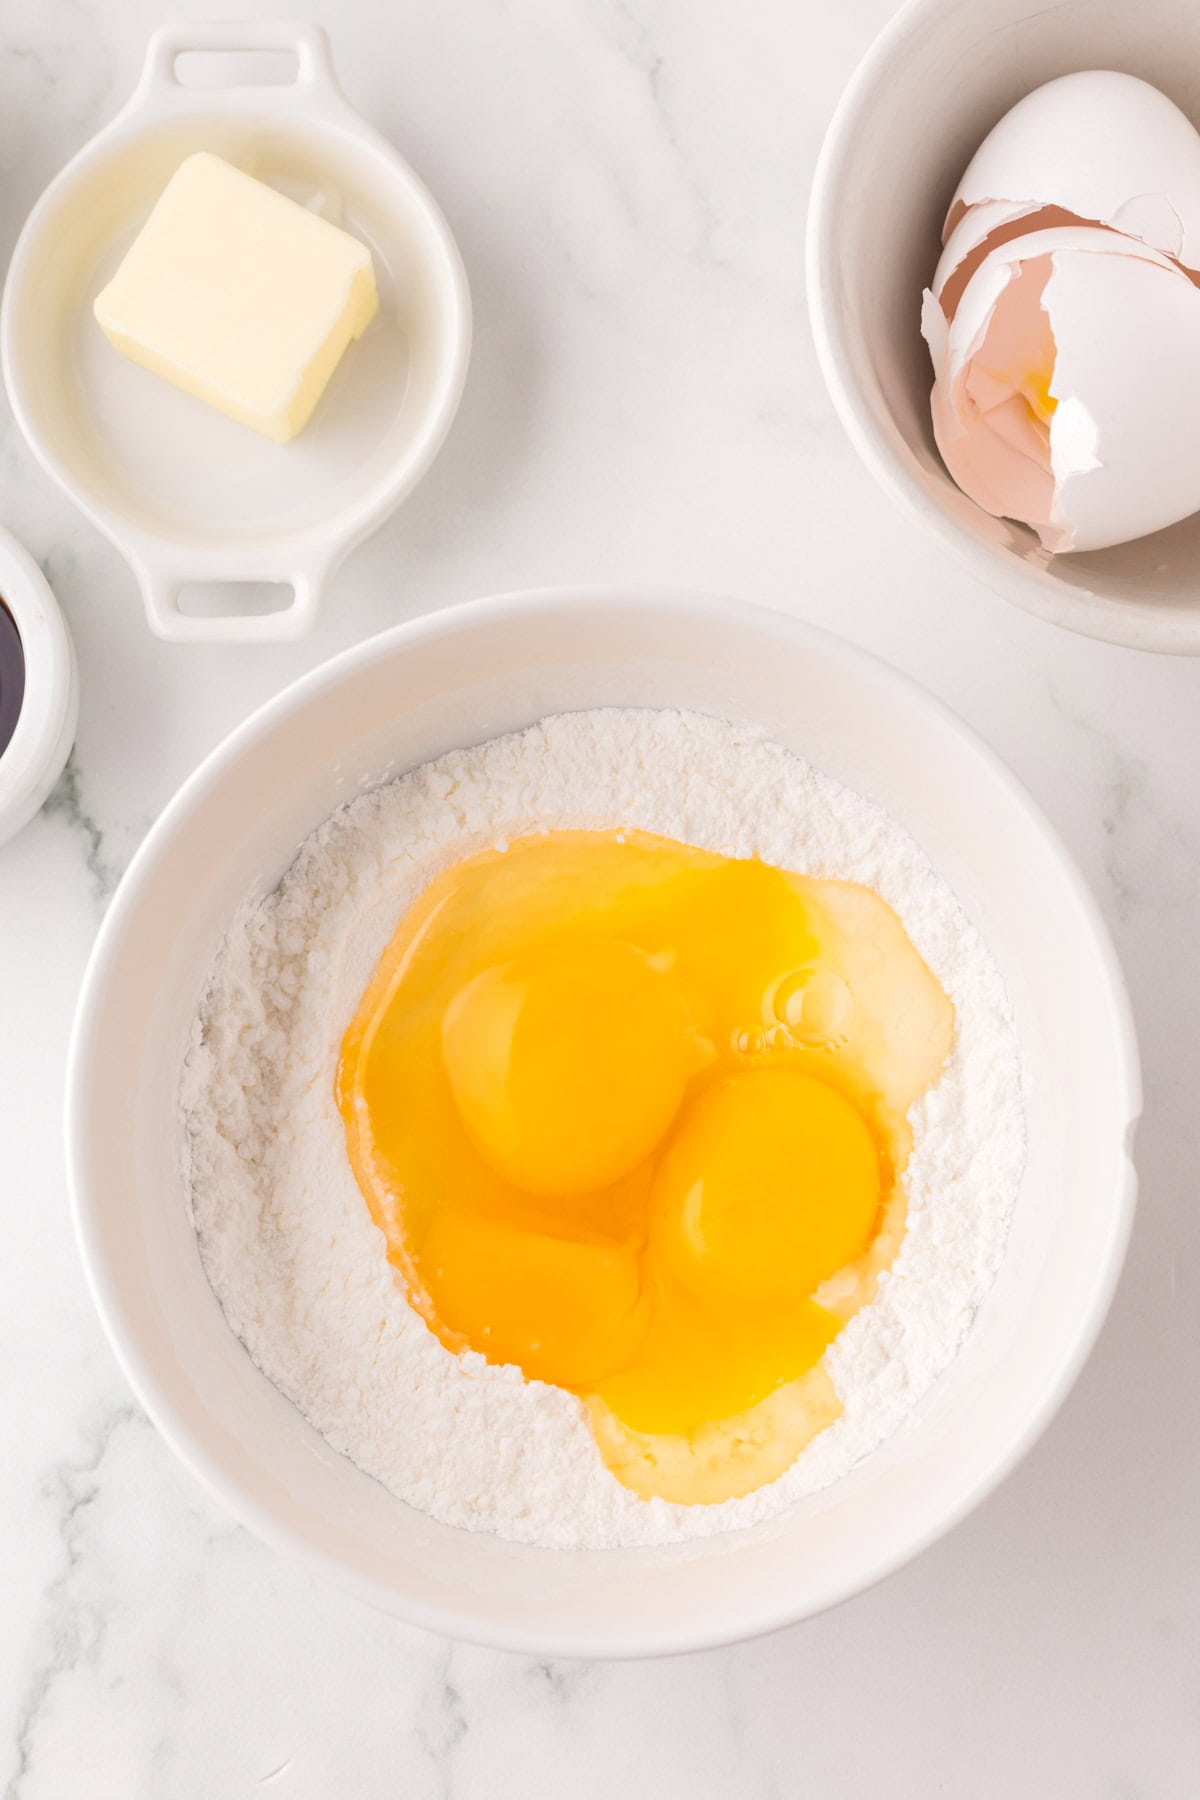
[202, 508]
[927, 92]
[33, 759]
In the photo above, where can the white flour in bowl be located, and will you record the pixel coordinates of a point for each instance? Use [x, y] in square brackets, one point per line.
[290, 1248]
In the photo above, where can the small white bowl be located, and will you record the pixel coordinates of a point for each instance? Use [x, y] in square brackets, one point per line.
[194, 501]
[930, 88]
[33, 759]
[451, 680]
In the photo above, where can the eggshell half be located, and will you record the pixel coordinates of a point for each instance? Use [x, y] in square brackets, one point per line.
[1127, 375]
[1103, 146]
[983, 429]
[1121, 324]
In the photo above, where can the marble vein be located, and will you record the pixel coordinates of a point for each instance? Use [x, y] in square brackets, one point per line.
[72, 1632]
[66, 802]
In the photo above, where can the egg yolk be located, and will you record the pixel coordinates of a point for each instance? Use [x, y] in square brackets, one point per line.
[632, 1117]
[568, 1064]
[1035, 386]
[769, 1187]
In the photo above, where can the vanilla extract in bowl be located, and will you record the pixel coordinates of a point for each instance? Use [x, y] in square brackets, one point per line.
[12, 676]
[39, 688]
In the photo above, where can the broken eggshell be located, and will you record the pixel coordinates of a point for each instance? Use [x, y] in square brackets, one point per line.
[1068, 386]
[1063, 318]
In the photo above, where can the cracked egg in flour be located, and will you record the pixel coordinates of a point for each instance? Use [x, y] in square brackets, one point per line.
[633, 1118]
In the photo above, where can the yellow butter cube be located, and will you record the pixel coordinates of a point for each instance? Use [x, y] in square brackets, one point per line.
[239, 296]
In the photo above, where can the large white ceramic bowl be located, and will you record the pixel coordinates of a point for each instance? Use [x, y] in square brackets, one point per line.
[930, 88]
[454, 679]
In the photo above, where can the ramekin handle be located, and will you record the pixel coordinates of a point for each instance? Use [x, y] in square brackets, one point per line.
[159, 83]
[163, 590]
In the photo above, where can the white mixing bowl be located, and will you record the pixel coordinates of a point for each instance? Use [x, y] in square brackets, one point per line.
[454, 679]
[927, 92]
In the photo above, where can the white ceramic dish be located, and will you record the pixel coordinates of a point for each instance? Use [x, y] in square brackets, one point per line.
[928, 91]
[193, 500]
[33, 759]
[454, 679]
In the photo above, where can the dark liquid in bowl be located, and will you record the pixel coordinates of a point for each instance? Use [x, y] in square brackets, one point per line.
[12, 676]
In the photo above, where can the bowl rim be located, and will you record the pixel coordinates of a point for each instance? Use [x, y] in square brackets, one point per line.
[458, 1620]
[1130, 624]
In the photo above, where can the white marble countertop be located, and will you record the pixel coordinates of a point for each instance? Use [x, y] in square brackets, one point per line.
[627, 181]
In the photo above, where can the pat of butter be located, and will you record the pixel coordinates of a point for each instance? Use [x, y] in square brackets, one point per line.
[239, 296]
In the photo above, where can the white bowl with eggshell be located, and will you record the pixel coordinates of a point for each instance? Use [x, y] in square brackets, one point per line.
[233, 538]
[880, 197]
[454, 679]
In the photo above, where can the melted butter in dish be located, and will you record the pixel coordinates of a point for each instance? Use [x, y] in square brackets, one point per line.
[632, 1116]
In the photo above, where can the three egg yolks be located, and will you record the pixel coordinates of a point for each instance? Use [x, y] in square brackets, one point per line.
[632, 1117]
